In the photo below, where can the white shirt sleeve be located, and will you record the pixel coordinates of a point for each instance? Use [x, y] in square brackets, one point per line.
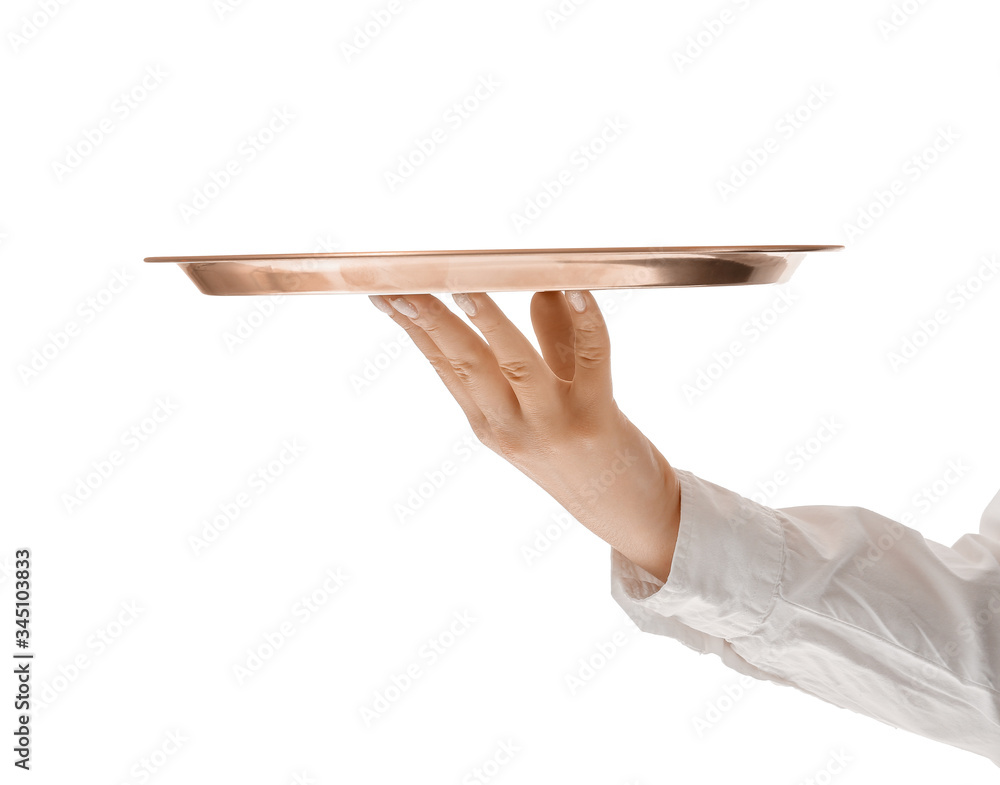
[839, 602]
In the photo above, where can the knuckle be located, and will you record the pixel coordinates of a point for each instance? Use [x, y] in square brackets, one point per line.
[439, 364]
[591, 351]
[590, 356]
[465, 370]
[515, 370]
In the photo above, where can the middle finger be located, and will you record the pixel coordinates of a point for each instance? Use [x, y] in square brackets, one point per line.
[469, 355]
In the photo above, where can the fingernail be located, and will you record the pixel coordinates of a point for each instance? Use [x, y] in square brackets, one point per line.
[465, 303]
[405, 307]
[380, 303]
[576, 301]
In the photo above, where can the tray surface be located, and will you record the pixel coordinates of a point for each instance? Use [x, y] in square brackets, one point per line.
[492, 270]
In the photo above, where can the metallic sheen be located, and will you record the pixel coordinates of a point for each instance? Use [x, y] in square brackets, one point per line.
[498, 270]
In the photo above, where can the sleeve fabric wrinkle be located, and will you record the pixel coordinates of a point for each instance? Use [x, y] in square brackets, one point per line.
[839, 602]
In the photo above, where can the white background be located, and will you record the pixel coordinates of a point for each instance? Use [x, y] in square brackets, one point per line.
[69, 225]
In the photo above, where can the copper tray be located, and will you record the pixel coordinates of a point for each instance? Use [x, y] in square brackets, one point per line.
[535, 270]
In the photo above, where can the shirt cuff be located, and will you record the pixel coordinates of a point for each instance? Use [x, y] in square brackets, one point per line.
[726, 566]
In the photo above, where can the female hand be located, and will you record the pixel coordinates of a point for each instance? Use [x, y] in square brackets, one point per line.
[553, 416]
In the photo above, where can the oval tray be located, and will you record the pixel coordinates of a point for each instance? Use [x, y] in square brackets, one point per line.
[498, 270]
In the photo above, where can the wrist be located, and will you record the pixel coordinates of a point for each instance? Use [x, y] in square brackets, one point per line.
[662, 548]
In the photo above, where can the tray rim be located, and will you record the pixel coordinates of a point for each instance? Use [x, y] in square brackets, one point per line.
[705, 249]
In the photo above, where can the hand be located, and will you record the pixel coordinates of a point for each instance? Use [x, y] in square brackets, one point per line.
[555, 419]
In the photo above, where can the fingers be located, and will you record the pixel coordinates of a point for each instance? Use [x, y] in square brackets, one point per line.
[470, 358]
[526, 372]
[554, 328]
[439, 362]
[504, 375]
[592, 350]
